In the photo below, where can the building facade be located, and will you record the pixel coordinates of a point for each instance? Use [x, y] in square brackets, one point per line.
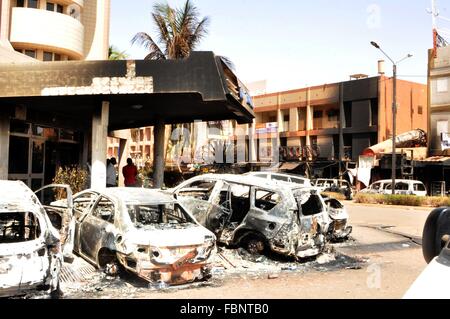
[439, 97]
[334, 122]
[56, 30]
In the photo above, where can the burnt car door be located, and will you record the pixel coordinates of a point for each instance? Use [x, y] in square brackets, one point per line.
[82, 206]
[58, 204]
[96, 228]
[201, 198]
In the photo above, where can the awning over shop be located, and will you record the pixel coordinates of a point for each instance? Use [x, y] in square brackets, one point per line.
[199, 88]
[289, 166]
[435, 160]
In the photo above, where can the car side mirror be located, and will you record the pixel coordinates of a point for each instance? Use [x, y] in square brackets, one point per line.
[436, 233]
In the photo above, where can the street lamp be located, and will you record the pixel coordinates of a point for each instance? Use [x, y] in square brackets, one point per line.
[394, 113]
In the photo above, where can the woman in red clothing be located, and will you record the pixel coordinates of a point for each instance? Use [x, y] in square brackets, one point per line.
[129, 173]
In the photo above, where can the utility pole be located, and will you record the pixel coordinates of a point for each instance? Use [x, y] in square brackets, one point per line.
[394, 113]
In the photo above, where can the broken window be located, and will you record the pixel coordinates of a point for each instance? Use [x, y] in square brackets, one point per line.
[18, 227]
[199, 190]
[83, 203]
[401, 186]
[312, 206]
[266, 200]
[280, 178]
[144, 215]
[104, 210]
[239, 197]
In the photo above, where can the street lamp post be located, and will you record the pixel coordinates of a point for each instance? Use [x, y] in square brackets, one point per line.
[394, 113]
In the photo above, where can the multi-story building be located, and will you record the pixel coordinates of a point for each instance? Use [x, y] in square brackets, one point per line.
[56, 30]
[338, 121]
[439, 97]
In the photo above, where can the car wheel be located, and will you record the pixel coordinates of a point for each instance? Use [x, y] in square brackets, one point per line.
[254, 245]
[436, 227]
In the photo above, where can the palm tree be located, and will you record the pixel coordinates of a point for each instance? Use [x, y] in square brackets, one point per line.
[180, 30]
[115, 54]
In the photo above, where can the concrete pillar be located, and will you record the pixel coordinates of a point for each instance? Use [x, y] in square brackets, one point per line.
[4, 144]
[341, 122]
[100, 120]
[158, 154]
[293, 119]
[4, 19]
[252, 142]
[309, 117]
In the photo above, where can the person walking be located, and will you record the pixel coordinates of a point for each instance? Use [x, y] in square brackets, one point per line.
[130, 173]
[111, 176]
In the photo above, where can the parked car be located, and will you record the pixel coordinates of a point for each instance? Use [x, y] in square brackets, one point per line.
[258, 214]
[335, 186]
[146, 232]
[289, 178]
[339, 227]
[434, 282]
[402, 187]
[30, 247]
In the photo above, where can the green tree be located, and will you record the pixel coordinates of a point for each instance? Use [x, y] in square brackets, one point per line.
[179, 31]
[115, 54]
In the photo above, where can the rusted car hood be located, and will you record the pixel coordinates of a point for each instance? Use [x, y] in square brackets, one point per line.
[188, 235]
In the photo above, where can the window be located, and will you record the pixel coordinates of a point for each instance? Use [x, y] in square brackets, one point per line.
[286, 118]
[280, 178]
[375, 186]
[318, 114]
[59, 8]
[333, 115]
[145, 215]
[420, 110]
[31, 53]
[104, 210]
[48, 56]
[199, 189]
[18, 227]
[83, 203]
[21, 3]
[401, 186]
[419, 187]
[442, 85]
[312, 206]
[297, 180]
[33, 4]
[50, 6]
[266, 200]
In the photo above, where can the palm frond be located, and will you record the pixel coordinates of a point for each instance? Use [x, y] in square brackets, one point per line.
[146, 41]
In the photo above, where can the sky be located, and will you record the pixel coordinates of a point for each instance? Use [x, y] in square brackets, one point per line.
[297, 43]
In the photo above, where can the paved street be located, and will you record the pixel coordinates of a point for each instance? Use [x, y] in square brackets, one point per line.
[388, 265]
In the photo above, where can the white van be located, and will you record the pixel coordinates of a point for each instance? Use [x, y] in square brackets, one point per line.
[402, 187]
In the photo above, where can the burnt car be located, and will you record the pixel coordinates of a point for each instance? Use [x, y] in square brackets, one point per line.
[339, 186]
[258, 214]
[143, 231]
[339, 228]
[30, 247]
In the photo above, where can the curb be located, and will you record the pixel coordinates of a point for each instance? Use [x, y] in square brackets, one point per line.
[423, 208]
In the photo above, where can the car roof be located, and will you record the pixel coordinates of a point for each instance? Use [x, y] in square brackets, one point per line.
[275, 173]
[16, 195]
[398, 181]
[131, 195]
[255, 181]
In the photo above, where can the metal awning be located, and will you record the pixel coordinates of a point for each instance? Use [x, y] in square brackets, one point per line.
[289, 166]
[141, 92]
[435, 160]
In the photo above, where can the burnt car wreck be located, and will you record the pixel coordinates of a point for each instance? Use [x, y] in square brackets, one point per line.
[257, 214]
[142, 231]
[30, 247]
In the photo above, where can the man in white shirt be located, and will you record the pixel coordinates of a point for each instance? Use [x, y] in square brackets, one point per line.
[111, 178]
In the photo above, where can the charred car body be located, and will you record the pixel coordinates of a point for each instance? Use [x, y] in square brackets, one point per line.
[258, 214]
[30, 247]
[145, 231]
[339, 228]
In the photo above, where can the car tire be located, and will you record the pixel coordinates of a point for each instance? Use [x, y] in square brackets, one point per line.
[436, 227]
[255, 245]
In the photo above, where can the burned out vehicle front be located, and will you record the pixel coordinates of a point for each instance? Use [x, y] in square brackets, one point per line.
[30, 256]
[339, 228]
[258, 214]
[149, 234]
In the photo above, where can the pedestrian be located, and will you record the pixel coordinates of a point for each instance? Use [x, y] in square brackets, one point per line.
[130, 173]
[111, 176]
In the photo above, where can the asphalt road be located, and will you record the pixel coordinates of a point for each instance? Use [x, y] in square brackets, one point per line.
[385, 239]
